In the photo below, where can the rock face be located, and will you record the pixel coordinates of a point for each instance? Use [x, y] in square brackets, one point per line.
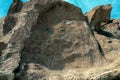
[51, 40]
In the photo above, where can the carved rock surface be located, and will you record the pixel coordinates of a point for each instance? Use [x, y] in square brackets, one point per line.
[51, 40]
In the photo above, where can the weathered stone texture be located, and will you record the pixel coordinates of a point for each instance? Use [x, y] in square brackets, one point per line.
[51, 40]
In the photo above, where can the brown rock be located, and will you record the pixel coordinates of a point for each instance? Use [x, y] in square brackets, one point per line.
[57, 41]
[99, 15]
[50, 40]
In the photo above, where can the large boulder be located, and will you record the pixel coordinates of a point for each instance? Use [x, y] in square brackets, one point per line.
[51, 40]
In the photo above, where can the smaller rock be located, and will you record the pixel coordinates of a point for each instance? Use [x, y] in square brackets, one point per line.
[114, 28]
[99, 15]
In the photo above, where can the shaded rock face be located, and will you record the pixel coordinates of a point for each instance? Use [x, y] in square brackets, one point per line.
[99, 16]
[9, 23]
[51, 40]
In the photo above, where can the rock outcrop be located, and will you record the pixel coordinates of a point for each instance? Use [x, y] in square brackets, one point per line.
[52, 40]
